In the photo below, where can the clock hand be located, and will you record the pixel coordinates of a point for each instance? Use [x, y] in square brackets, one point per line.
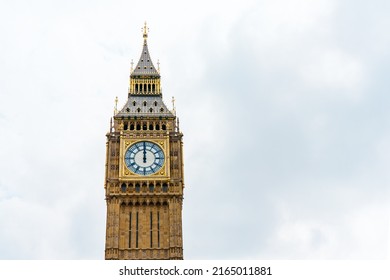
[144, 153]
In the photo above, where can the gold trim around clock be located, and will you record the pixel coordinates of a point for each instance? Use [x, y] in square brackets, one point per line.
[126, 174]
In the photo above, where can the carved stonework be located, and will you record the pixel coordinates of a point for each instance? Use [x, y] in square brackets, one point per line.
[144, 172]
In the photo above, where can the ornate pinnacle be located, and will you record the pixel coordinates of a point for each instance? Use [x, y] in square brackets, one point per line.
[145, 29]
[116, 106]
[173, 106]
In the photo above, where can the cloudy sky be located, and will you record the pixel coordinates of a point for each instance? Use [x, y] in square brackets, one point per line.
[284, 106]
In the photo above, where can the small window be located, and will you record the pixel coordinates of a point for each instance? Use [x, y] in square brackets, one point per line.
[138, 110]
[127, 109]
[134, 103]
[132, 126]
[137, 188]
[151, 187]
[165, 187]
[150, 126]
[123, 187]
[145, 103]
[151, 110]
[155, 103]
[138, 126]
[161, 110]
[126, 126]
[144, 127]
[164, 127]
[157, 127]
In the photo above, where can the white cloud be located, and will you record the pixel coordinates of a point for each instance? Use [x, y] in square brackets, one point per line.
[331, 70]
[358, 231]
[279, 104]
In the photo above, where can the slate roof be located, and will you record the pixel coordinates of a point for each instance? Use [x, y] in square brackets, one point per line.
[145, 106]
[145, 65]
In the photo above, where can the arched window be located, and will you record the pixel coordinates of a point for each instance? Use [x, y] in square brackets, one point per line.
[126, 126]
[138, 126]
[136, 88]
[151, 126]
[163, 126]
[165, 187]
[123, 187]
[157, 127]
[131, 126]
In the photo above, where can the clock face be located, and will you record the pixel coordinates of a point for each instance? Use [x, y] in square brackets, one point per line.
[144, 158]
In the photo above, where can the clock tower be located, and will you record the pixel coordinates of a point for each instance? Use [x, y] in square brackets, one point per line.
[144, 172]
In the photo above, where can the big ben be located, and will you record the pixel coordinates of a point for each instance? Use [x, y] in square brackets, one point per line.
[144, 172]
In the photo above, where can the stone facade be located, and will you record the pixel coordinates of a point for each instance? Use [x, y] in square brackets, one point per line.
[144, 172]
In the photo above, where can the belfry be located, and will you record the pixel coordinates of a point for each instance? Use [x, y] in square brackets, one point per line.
[144, 172]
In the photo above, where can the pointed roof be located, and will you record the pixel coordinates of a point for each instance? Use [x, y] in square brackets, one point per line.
[145, 65]
[145, 106]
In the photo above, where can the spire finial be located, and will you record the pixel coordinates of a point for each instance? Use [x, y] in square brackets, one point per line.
[145, 29]
[116, 106]
[132, 64]
[173, 105]
[158, 65]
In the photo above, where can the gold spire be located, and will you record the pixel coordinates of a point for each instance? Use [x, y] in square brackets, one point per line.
[145, 30]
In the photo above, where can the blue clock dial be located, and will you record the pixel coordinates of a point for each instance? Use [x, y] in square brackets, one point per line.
[144, 158]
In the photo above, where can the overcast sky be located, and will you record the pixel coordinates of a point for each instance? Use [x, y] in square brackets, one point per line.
[284, 106]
